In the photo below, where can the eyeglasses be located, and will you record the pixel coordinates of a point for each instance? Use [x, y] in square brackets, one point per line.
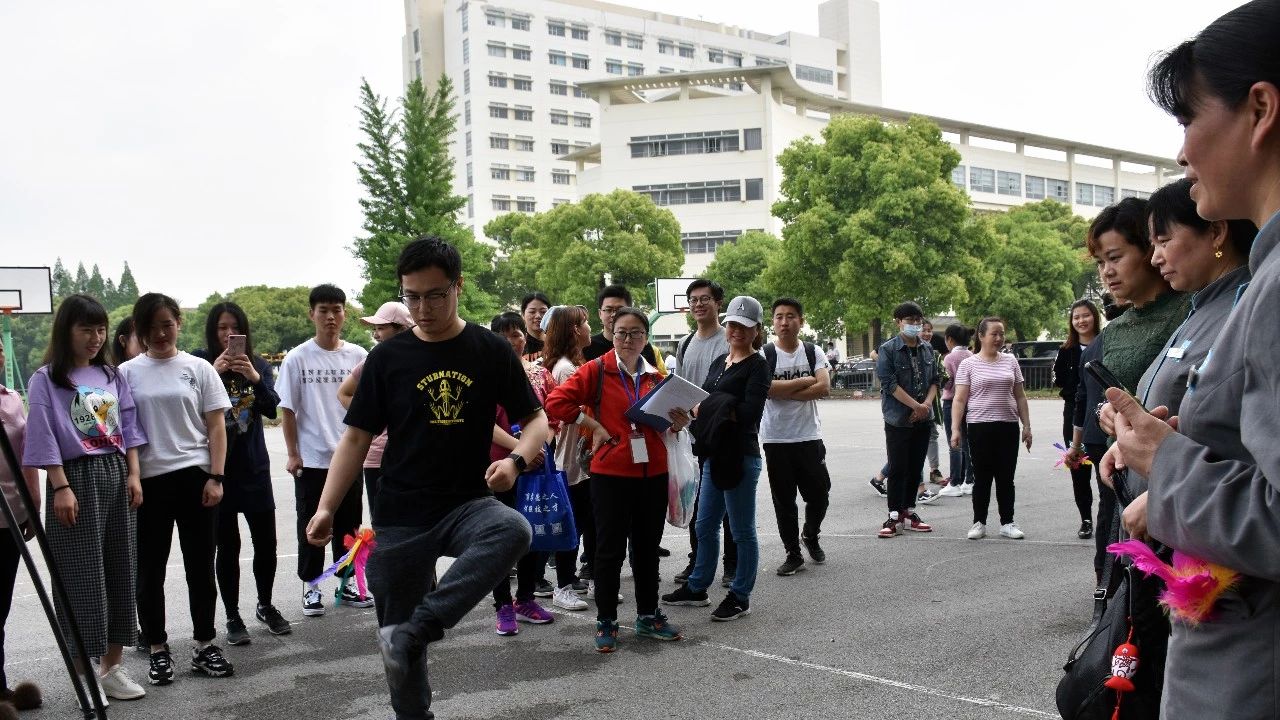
[701, 300]
[435, 300]
[628, 335]
[611, 310]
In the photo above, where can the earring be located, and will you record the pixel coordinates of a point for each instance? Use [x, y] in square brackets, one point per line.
[1218, 254]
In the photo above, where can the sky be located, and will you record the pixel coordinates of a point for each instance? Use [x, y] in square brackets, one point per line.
[211, 145]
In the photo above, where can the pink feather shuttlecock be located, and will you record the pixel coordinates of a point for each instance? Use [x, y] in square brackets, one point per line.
[1062, 459]
[1192, 585]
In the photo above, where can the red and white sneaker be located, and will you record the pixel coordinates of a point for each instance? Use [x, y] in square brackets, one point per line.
[890, 528]
[915, 524]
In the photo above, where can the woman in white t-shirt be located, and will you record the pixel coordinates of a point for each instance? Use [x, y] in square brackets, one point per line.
[181, 401]
[988, 404]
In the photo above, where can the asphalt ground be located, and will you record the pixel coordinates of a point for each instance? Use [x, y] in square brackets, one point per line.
[921, 626]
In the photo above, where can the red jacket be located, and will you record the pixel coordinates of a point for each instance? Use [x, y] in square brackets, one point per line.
[579, 392]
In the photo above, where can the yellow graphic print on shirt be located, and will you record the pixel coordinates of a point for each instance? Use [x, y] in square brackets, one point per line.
[446, 396]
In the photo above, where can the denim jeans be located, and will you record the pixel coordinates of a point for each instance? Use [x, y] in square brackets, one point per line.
[961, 467]
[740, 503]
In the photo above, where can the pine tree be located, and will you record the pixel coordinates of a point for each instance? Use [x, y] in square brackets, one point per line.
[82, 280]
[110, 299]
[62, 282]
[127, 289]
[95, 287]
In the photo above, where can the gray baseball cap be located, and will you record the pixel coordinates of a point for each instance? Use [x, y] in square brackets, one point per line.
[744, 310]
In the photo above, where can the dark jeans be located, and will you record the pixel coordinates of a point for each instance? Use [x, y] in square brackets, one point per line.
[906, 448]
[739, 504]
[995, 458]
[627, 508]
[961, 465]
[8, 574]
[484, 536]
[346, 520]
[799, 467]
[584, 519]
[730, 547]
[262, 531]
[1105, 530]
[1081, 477]
[175, 498]
[528, 568]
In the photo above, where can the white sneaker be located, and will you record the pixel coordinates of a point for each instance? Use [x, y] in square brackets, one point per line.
[92, 687]
[967, 488]
[118, 685]
[1011, 531]
[591, 591]
[951, 491]
[312, 604]
[978, 531]
[566, 598]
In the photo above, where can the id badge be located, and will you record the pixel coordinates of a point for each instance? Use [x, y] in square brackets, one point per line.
[639, 451]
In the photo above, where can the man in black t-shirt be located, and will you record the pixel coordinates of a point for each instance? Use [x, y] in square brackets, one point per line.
[435, 391]
[608, 302]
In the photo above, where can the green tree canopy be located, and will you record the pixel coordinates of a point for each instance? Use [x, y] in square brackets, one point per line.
[566, 251]
[873, 219]
[407, 175]
[278, 318]
[740, 266]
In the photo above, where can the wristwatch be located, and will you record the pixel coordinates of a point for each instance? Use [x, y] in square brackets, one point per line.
[216, 478]
[519, 461]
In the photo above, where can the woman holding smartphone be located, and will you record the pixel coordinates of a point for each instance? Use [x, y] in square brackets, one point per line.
[1085, 322]
[181, 407]
[246, 488]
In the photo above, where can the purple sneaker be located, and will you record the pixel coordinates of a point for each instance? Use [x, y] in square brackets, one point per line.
[507, 620]
[531, 612]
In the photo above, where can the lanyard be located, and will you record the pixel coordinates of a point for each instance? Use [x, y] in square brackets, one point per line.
[627, 389]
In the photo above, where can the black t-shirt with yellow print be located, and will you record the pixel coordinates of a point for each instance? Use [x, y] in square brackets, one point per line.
[438, 402]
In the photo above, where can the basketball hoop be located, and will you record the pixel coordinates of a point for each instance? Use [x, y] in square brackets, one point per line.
[23, 291]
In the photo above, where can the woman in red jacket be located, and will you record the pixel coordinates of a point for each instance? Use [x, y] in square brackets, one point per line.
[628, 475]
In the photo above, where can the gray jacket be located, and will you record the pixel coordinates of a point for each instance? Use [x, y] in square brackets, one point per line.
[1215, 494]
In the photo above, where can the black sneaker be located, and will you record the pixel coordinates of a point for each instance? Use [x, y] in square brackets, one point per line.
[161, 672]
[1086, 530]
[878, 485]
[731, 608]
[274, 620]
[727, 578]
[544, 589]
[682, 577]
[351, 596]
[400, 645]
[585, 572]
[237, 633]
[684, 596]
[211, 662]
[312, 604]
[142, 645]
[663, 552]
[792, 565]
[815, 550]
[580, 586]
[551, 561]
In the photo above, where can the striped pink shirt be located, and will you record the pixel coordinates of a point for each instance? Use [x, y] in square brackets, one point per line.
[990, 388]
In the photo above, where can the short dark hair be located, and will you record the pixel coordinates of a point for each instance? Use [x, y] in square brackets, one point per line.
[614, 291]
[1224, 60]
[326, 294]
[1172, 204]
[792, 302]
[211, 328]
[506, 321]
[1127, 217]
[429, 251]
[144, 313]
[906, 310]
[959, 334]
[118, 349]
[78, 309]
[524, 301]
[717, 292]
[633, 312]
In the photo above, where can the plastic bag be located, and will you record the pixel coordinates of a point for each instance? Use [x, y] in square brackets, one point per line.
[682, 478]
[542, 497]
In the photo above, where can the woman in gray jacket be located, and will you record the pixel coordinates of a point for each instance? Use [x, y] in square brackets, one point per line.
[1214, 488]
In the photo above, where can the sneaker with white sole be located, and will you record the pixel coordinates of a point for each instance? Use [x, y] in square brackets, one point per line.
[890, 528]
[967, 488]
[566, 599]
[913, 523]
[210, 661]
[161, 672]
[926, 497]
[1012, 531]
[91, 687]
[978, 531]
[591, 591]
[351, 595]
[312, 602]
[529, 611]
[878, 485]
[119, 686]
[951, 491]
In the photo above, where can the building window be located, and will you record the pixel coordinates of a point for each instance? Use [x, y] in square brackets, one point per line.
[471, 200]
[686, 51]
[751, 139]
[498, 51]
[695, 143]
[524, 114]
[525, 84]
[666, 47]
[762, 61]
[1035, 188]
[693, 193]
[497, 81]
[499, 142]
[635, 42]
[501, 204]
[982, 180]
[527, 205]
[466, 112]
[581, 62]
[555, 28]
[560, 177]
[466, 81]
[559, 117]
[470, 179]
[500, 173]
[521, 53]
[520, 23]
[524, 175]
[559, 88]
[1057, 189]
[755, 188]
[1084, 194]
[613, 37]
[417, 68]
[498, 111]
[468, 144]
[715, 56]
[558, 58]
[466, 51]
[495, 20]
[734, 59]
[578, 33]
[582, 121]
[1009, 183]
[417, 42]
[635, 69]
[524, 144]
[613, 67]
[559, 147]
[1103, 195]
[464, 18]
[813, 74]
[707, 242]
[579, 92]
[957, 176]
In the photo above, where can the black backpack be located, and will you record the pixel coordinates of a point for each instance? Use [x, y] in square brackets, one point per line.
[810, 353]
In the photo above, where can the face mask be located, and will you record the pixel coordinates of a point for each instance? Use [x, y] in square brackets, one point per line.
[912, 330]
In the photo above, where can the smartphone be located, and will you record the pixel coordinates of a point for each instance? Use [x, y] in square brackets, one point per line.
[1103, 376]
[235, 344]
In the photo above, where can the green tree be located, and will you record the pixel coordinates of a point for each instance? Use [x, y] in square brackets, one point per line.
[82, 279]
[96, 287]
[110, 298]
[740, 266]
[278, 318]
[407, 173]
[127, 288]
[1035, 262]
[567, 250]
[873, 219]
[63, 284]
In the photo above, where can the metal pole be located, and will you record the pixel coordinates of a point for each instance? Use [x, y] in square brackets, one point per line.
[10, 362]
[55, 579]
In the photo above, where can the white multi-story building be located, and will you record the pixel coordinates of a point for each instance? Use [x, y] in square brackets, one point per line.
[518, 67]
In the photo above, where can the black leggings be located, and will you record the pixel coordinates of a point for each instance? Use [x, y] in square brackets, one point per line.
[994, 446]
[262, 531]
[528, 568]
[175, 498]
[8, 574]
[1081, 477]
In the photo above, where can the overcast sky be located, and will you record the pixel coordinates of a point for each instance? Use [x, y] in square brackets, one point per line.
[211, 144]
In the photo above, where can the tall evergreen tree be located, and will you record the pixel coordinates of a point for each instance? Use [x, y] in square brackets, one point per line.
[63, 285]
[82, 279]
[110, 298]
[127, 289]
[96, 287]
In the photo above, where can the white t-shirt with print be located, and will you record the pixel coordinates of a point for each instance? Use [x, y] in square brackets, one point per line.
[308, 385]
[172, 395]
[792, 421]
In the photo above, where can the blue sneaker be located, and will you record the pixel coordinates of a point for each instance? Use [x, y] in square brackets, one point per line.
[606, 636]
[656, 626]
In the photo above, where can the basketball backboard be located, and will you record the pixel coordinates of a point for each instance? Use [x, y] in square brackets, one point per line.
[670, 294]
[26, 290]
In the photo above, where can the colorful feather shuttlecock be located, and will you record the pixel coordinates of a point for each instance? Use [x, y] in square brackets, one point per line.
[1062, 459]
[1192, 585]
[352, 563]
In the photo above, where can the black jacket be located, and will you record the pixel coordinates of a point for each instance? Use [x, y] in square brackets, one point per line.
[717, 437]
[1088, 395]
[1066, 372]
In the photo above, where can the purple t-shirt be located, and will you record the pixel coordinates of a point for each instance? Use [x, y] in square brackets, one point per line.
[97, 418]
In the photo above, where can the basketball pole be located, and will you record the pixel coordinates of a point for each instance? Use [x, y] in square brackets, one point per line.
[10, 362]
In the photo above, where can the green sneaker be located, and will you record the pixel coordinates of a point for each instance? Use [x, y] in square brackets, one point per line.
[656, 627]
[606, 636]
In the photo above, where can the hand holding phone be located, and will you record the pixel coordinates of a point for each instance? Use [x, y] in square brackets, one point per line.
[235, 345]
[1103, 376]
